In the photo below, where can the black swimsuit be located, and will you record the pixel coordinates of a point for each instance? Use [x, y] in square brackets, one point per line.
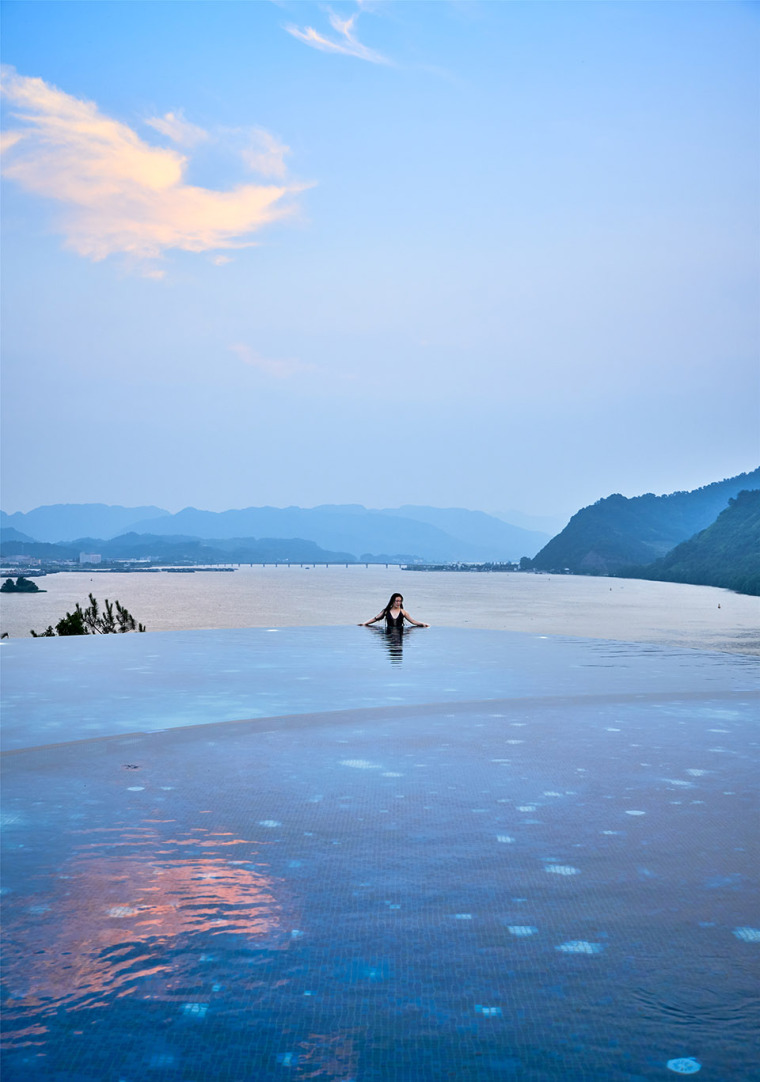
[394, 621]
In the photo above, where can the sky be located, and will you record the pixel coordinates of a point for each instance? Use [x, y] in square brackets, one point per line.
[488, 255]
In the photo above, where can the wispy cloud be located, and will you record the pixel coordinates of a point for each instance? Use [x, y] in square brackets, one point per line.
[118, 193]
[266, 155]
[175, 127]
[280, 369]
[347, 43]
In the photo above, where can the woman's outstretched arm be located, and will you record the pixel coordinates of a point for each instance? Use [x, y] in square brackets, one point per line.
[366, 623]
[412, 620]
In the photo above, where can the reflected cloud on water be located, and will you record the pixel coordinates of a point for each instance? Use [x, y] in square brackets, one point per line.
[108, 923]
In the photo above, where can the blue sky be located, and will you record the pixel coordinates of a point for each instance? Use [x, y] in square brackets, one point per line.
[491, 255]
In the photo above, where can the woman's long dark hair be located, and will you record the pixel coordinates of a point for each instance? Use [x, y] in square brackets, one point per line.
[389, 606]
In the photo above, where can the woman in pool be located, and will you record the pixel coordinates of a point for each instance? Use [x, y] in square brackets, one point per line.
[394, 615]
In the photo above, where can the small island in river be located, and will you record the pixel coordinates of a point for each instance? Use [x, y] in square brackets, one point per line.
[20, 586]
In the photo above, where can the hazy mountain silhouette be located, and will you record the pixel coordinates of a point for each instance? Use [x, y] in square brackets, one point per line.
[545, 524]
[429, 533]
[475, 528]
[233, 550]
[8, 533]
[68, 521]
[183, 550]
[424, 531]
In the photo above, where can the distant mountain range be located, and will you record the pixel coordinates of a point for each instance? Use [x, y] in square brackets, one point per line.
[710, 536]
[340, 531]
[618, 532]
[180, 550]
[548, 524]
[67, 521]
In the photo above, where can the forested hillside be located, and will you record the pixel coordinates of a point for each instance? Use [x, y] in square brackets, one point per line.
[617, 532]
[725, 554]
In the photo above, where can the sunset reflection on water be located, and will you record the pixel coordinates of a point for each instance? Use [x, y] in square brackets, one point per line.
[115, 925]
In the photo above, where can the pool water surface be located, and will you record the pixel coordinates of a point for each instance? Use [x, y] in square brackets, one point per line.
[303, 854]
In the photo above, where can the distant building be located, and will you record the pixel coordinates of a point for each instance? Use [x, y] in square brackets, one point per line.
[89, 557]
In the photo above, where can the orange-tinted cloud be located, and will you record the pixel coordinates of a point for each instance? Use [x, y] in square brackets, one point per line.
[119, 194]
[265, 155]
[280, 369]
[175, 127]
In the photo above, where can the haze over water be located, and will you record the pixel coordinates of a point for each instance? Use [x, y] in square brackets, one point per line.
[625, 609]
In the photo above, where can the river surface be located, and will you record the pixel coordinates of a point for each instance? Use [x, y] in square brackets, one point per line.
[606, 608]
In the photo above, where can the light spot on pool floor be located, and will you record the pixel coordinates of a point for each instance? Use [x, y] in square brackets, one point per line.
[748, 935]
[580, 946]
[684, 1065]
[195, 1010]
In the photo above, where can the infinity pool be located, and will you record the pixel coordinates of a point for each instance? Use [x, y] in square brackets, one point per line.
[325, 854]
